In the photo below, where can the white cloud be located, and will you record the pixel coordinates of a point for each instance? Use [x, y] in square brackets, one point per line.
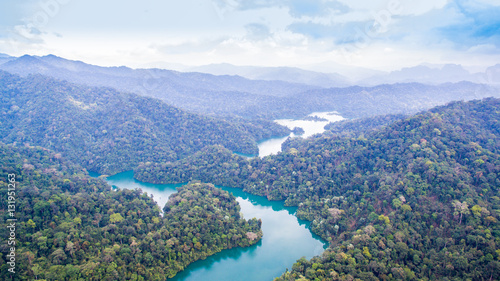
[276, 32]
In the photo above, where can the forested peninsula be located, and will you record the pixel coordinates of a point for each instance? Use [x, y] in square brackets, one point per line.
[416, 199]
[397, 197]
[71, 226]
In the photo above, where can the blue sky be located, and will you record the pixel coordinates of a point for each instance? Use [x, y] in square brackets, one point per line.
[377, 34]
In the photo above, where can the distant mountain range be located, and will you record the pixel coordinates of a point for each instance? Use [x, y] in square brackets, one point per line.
[135, 80]
[331, 74]
[288, 74]
[421, 74]
[5, 58]
[279, 92]
[198, 92]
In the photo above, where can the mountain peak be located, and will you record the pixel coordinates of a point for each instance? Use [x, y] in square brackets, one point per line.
[25, 60]
[51, 56]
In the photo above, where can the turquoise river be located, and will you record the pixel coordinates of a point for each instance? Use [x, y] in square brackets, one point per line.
[286, 238]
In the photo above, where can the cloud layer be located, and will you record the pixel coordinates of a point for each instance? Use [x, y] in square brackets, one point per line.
[380, 34]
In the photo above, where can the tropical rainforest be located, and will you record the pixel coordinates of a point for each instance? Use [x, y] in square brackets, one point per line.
[397, 197]
[416, 199]
[110, 132]
[74, 227]
[234, 95]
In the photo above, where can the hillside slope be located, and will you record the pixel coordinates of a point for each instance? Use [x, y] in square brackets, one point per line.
[71, 226]
[234, 95]
[194, 91]
[416, 199]
[107, 131]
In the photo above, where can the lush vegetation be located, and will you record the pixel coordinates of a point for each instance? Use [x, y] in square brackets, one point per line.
[233, 95]
[355, 127]
[416, 199]
[398, 198]
[74, 227]
[109, 132]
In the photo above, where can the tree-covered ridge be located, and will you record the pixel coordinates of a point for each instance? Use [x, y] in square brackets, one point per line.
[213, 164]
[348, 128]
[110, 132]
[417, 199]
[209, 217]
[233, 95]
[71, 226]
[354, 127]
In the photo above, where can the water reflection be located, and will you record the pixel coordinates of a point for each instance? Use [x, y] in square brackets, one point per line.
[276, 206]
[286, 238]
[200, 268]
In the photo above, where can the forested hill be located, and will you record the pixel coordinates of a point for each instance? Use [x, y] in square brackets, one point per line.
[402, 98]
[71, 226]
[417, 199]
[107, 131]
[233, 95]
[356, 127]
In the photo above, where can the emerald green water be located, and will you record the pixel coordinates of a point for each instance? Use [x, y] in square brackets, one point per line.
[285, 239]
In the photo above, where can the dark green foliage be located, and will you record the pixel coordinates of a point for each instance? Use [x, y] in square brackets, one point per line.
[71, 226]
[259, 129]
[212, 164]
[110, 132]
[417, 199]
[353, 127]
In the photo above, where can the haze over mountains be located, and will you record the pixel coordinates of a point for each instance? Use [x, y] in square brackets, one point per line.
[288, 74]
[280, 92]
[109, 132]
[357, 75]
[397, 197]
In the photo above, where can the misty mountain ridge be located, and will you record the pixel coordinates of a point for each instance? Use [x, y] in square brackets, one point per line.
[345, 75]
[80, 72]
[324, 75]
[287, 74]
[429, 75]
[230, 95]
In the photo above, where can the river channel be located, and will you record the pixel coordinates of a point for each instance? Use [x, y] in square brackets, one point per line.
[286, 238]
[310, 126]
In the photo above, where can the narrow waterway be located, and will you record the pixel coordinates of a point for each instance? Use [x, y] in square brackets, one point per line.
[285, 239]
[310, 125]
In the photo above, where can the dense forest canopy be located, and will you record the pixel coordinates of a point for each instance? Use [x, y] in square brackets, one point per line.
[109, 132]
[397, 197]
[356, 127]
[74, 227]
[418, 198]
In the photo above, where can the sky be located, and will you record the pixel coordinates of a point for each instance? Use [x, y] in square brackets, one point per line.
[377, 34]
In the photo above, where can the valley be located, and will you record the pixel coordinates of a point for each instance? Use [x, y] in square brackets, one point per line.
[285, 238]
[231, 140]
[377, 184]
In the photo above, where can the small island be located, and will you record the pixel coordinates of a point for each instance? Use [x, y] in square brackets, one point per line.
[298, 131]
